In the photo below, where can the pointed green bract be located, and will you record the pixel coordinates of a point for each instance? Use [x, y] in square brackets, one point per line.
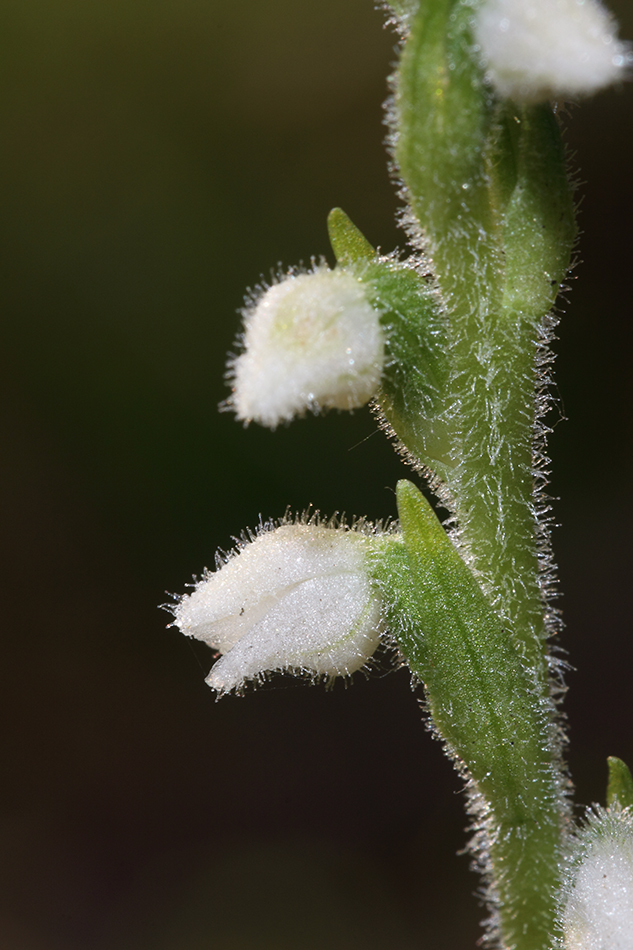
[350, 245]
[620, 787]
[442, 118]
[483, 704]
[532, 201]
[412, 398]
[456, 644]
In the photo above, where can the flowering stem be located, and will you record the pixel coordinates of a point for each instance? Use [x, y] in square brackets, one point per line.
[487, 183]
[491, 207]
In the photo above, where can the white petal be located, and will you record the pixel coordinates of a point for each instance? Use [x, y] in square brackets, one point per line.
[549, 49]
[229, 601]
[312, 341]
[327, 625]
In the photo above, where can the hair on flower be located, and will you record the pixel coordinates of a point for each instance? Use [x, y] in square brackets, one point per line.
[295, 595]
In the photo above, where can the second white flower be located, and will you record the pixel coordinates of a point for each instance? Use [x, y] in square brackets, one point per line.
[313, 341]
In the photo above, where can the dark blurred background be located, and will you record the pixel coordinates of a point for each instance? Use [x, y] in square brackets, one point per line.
[157, 158]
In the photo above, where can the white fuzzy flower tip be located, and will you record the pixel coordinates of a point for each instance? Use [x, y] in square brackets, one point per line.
[599, 910]
[312, 341]
[549, 49]
[298, 597]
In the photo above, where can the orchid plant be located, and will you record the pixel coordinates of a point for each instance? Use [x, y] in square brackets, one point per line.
[450, 347]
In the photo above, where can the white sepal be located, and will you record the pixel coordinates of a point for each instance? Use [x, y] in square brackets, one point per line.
[536, 50]
[598, 909]
[297, 597]
[311, 341]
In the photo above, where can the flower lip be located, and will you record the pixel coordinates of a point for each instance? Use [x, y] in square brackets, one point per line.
[297, 596]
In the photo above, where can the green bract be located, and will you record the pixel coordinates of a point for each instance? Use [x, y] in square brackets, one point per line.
[487, 709]
[413, 394]
[620, 788]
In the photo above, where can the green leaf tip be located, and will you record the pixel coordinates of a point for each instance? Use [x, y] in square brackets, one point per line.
[477, 690]
[483, 705]
[413, 507]
[620, 787]
[350, 245]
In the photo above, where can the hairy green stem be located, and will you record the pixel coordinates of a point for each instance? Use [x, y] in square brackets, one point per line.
[491, 209]
[489, 194]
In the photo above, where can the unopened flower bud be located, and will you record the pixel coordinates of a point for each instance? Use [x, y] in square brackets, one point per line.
[598, 913]
[298, 597]
[312, 341]
[536, 50]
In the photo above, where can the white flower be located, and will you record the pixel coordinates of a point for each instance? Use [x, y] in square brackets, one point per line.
[312, 341]
[598, 914]
[297, 597]
[549, 49]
